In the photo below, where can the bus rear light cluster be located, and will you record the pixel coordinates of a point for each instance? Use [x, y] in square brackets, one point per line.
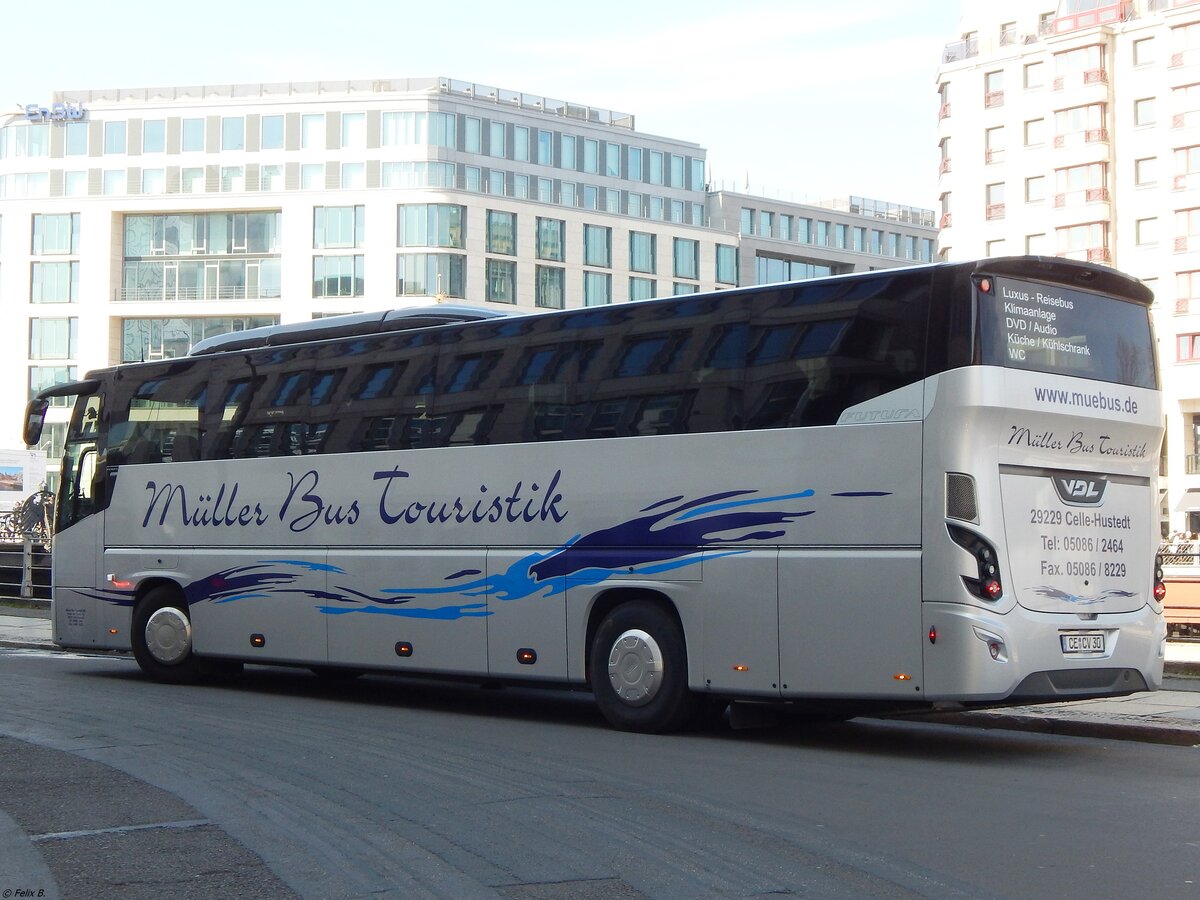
[988, 585]
[1160, 588]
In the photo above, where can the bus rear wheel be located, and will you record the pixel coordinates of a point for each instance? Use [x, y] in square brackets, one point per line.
[638, 670]
[162, 638]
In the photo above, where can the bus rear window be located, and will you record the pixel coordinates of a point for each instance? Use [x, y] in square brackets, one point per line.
[1048, 328]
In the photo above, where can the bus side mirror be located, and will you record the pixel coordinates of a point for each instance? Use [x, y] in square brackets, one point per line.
[35, 417]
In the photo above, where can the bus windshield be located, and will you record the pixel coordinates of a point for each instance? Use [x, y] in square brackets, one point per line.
[1050, 328]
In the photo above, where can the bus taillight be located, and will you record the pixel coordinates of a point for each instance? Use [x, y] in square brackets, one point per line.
[987, 586]
[1160, 587]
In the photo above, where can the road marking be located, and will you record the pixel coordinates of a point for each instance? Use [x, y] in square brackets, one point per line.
[120, 829]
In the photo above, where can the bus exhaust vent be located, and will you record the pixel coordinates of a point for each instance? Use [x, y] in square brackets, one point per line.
[960, 497]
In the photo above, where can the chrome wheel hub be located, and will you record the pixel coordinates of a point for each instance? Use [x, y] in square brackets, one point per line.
[168, 636]
[635, 667]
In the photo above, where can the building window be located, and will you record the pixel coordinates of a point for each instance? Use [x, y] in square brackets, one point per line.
[114, 182]
[432, 129]
[642, 288]
[550, 285]
[1036, 244]
[993, 142]
[233, 133]
[56, 234]
[597, 246]
[56, 282]
[727, 261]
[1035, 76]
[53, 338]
[597, 289]
[76, 143]
[233, 178]
[1035, 132]
[143, 339]
[1081, 184]
[656, 167]
[337, 227]
[995, 200]
[995, 248]
[993, 89]
[687, 258]
[803, 230]
[643, 252]
[192, 136]
[430, 275]
[567, 152]
[115, 137]
[501, 280]
[354, 130]
[270, 178]
[338, 276]
[501, 232]
[1143, 111]
[154, 181]
[1188, 346]
[679, 288]
[521, 143]
[75, 183]
[1084, 242]
[431, 225]
[1143, 52]
[1145, 171]
[42, 377]
[191, 181]
[545, 148]
[635, 164]
[551, 239]
[612, 160]
[1146, 231]
[312, 131]
[271, 133]
[591, 156]
[154, 136]
[1035, 189]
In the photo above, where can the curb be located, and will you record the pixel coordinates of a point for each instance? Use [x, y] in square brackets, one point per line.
[1178, 735]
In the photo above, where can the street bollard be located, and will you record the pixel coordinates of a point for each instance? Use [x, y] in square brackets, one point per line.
[27, 566]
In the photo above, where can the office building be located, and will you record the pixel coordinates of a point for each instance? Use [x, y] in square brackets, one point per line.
[135, 223]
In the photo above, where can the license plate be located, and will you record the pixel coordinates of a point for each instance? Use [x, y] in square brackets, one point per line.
[1082, 642]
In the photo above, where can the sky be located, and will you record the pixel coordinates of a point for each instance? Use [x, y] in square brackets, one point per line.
[801, 100]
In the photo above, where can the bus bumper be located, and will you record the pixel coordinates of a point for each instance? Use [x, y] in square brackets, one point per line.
[974, 655]
[83, 622]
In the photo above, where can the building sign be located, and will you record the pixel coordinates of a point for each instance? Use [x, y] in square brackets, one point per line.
[55, 112]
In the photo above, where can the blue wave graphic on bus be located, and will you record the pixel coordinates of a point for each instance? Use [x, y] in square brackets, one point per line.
[673, 534]
[1067, 597]
[670, 534]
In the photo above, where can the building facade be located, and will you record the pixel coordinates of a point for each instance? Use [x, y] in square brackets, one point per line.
[135, 223]
[1073, 130]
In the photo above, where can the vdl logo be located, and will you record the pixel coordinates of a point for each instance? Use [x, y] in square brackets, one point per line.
[1077, 490]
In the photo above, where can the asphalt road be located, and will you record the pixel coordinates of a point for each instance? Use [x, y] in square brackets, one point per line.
[279, 785]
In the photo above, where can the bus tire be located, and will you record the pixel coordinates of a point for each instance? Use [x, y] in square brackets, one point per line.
[162, 638]
[638, 670]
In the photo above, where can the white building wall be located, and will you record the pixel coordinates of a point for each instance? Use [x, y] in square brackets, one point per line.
[1151, 51]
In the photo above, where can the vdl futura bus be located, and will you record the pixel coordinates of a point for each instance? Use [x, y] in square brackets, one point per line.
[906, 487]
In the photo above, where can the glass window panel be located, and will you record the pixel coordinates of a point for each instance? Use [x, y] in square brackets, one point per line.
[154, 136]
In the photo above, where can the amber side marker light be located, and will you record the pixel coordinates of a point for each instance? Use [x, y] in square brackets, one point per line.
[741, 668]
[258, 640]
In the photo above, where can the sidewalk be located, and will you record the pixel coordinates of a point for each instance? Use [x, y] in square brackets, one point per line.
[1160, 717]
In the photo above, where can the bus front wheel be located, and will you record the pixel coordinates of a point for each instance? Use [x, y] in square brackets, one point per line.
[638, 670]
[162, 638]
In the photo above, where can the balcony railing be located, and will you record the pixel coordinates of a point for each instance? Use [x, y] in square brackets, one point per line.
[1191, 464]
[1183, 306]
[945, 221]
[1104, 15]
[994, 211]
[1099, 254]
[195, 294]
[944, 167]
[944, 111]
[960, 50]
[993, 98]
